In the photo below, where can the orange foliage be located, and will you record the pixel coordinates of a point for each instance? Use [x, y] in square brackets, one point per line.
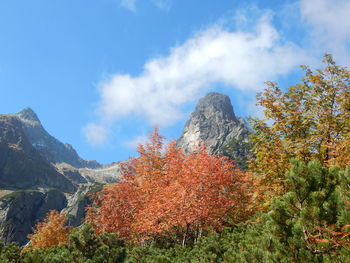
[333, 237]
[308, 121]
[166, 189]
[50, 232]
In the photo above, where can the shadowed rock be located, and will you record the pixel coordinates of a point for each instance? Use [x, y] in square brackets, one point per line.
[21, 165]
[21, 210]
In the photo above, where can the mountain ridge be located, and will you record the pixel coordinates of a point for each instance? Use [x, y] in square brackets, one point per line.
[51, 148]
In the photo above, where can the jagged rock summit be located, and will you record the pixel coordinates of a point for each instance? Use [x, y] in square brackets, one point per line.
[214, 123]
[51, 149]
[28, 114]
[21, 166]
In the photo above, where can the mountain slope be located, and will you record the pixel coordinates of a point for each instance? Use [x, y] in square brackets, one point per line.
[50, 148]
[21, 210]
[39, 173]
[21, 165]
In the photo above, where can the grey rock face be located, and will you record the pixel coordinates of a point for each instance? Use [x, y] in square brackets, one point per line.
[213, 123]
[77, 203]
[29, 115]
[50, 148]
[104, 175]
[20, 211]
[21, 165]
[71, 173]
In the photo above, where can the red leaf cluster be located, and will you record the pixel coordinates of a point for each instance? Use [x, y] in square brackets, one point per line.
[165, 189]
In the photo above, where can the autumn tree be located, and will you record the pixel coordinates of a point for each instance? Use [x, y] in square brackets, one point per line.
[51, 232]
[165, 190]
[310, 120]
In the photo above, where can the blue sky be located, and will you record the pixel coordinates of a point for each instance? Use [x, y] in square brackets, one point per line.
[101, 73]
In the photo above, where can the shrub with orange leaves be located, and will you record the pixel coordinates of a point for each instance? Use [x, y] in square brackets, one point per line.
[308, 121]
[51, 232]
[165, 190]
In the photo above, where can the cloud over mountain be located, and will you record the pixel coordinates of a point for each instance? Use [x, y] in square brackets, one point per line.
[243, 60]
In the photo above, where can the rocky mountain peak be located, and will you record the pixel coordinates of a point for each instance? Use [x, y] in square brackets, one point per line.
[29, 115]
[213, 123]
[48, 146]
[215, 104]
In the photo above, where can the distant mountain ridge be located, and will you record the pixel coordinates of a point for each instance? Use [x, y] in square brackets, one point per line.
[21, 165]
[50, 148]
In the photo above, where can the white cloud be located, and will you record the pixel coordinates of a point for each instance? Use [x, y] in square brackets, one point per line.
[96, 134]
[128, 4]
[331, 17]
[243, 60]
[330, 26]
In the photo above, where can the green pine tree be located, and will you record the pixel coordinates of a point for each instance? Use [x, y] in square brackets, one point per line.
[314, 200]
